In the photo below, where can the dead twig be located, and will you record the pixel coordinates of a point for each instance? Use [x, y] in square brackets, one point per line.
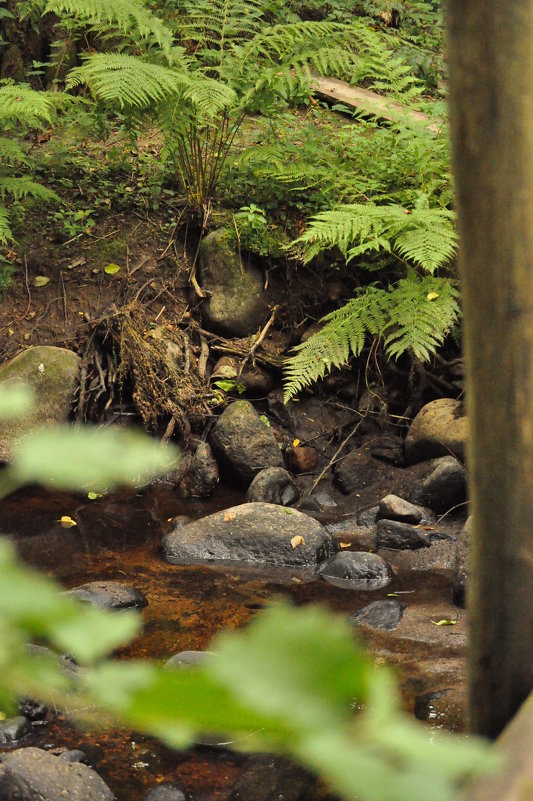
[257, 343]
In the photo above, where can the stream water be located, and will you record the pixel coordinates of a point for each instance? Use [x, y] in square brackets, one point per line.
[117, 538]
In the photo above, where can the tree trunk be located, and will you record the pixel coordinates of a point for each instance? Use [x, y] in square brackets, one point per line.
[491, 100]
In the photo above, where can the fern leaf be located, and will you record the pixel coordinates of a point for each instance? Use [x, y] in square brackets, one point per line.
[128, 16]
[23, 187]
[6, 235]
[19, 104]
[421, 313]
[11, 152]
[343, 334]
[127, 80]
[428, 238]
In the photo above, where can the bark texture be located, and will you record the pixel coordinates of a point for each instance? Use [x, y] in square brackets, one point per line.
[491, 95]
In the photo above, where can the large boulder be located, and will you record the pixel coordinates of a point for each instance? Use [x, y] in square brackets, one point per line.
[440, 428]
[243, 444]
[236, 305]
[253, 532]
[29, 774]
[52, 375]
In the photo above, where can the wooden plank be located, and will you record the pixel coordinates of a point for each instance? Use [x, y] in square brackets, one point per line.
[383, 108]
[515, 781]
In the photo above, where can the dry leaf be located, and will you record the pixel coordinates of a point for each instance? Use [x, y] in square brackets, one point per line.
[444, 622]
[67, 522]
[345, 544]
[297, 540]
[297, 580]
[229, 516]
[295, 443]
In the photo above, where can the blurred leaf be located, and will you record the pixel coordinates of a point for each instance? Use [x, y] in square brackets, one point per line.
[111, 269]
[73, 458]
[67, 522]
[15, 401]
[41, 280]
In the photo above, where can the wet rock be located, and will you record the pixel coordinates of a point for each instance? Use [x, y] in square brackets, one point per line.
[368, 517]
[188, 659]
[202, 476]
[109, 595]
[379, 615]
[13, 729]
[439, 429]
[443, 485]
[388, 449]
[355, 472]
[394, 534]
[461, 564]
[319, 502]
[349, 531]
[273, 779]
[252, 532]
[273, 485]
[357, 570]
[31, 773]
[301, 459]
[394, 508]
[433, 707]
[437, 560]
[167, 792]
[236, 305]
[52, 375]
[33, 710]
[75, 755]
[181, 520]
[243, 444]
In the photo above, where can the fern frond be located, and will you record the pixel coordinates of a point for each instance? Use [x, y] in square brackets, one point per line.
[11, 152]
[343, 334]
[19, 104]
[219, 25]
[6, 234]
[127, 80]
[127, 16]
[421, 313]
[425, 236]
[428, 238]
[24, 187]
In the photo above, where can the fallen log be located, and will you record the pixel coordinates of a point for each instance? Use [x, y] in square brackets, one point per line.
[363, 100]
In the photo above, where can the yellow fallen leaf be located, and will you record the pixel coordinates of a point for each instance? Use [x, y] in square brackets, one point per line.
[345, 544]
[111, 269]
[444, 622]
[41, 280]
[67, 522]
[297, 540]
[432, 296]
[297, 580]
[295, 443]
[229, 516]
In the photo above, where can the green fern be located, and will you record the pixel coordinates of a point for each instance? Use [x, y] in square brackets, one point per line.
[131, 17]
[421, 313]
[413, 316]
[425, 236]
[127, 80]
[343, 334]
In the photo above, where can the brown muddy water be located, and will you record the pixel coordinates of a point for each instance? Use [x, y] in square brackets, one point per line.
[118, 537]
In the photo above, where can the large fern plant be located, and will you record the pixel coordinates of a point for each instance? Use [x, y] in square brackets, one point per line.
[221, 60]
[413, 314]
[21, 109]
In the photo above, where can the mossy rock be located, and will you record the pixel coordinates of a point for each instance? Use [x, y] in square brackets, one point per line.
[236, 305]
[52, 375]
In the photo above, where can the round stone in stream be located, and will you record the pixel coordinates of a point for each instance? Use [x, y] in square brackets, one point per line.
[167, 792]
[109, 595]
[379, 615]
[357, 570]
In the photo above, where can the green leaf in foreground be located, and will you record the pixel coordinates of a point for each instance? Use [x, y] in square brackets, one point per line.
[15, 401]
[99, 459]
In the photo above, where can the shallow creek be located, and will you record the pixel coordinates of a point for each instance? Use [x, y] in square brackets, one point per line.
[118, 537]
